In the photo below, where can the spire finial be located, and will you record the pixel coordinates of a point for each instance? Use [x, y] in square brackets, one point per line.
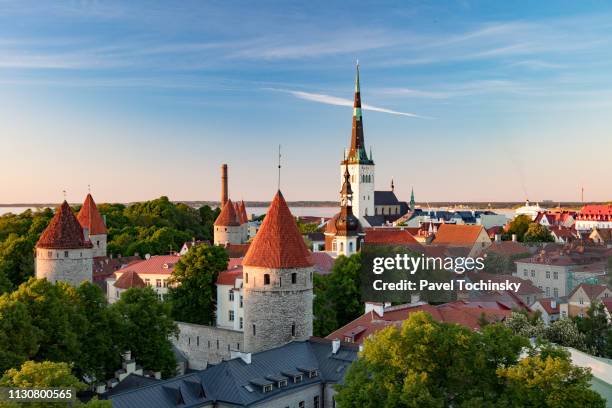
[64, 194]
[392, 185]
[279, 166]
[89, 188]
[357, 77]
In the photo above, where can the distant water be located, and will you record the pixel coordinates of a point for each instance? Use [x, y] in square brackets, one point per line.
[299, 211]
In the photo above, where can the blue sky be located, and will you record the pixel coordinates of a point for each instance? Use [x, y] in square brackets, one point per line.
[482, 101]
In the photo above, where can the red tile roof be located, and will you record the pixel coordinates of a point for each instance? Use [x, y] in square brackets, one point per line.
[389, 236]
[63, 232]
[460, 312]
[229, 276]
[237, 250]
[592, 291]
[453, 234]
[323, 262]
[227, 217]
[89, 217]
[157, 264]
[547, 305]
[129, 279]
[507, 248]
[278, 243]
[242, 215]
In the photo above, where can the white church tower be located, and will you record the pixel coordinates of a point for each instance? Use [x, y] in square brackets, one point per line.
[360, 166]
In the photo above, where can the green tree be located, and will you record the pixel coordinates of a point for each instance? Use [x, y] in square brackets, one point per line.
[537, 233]
[18, 336]
[146, 328]
[324, 310]
[525, 325]
[46, 374]
[54, 310]
[597, 330]
[565, 333]
[344, 288]
[548, 382]
[519, 226]
[431, 364]
[16, 259]
[192, 292]
[100, 353]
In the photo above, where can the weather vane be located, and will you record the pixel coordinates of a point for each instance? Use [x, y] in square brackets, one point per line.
[279, 166]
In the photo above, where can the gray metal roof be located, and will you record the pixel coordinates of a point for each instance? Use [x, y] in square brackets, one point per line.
[229, 381]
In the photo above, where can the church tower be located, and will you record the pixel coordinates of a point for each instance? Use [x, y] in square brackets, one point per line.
[64, 251]
[346, 224]
[92, 222]
[277, 273]
[360, 166]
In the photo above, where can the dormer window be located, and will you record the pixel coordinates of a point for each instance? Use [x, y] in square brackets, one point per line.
[298, 379]
[267, 388]
[281, 383]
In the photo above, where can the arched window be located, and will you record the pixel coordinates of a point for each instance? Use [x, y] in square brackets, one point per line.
[292, 329]
[266, 279]
[350, 247]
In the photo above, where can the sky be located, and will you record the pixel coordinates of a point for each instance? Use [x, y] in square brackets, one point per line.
[466, 101]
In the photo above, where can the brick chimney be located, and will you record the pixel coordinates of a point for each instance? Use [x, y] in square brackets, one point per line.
[223, 184]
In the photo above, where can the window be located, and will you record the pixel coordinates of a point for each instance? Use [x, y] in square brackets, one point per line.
[217, 344]
[231, 315]
[158, 283]
[165, 283]
[50, 254]
[555, 275]
[266, 279]
[65, 254]
[316, 401]
[117, 294]
[198, 341]
[281, 383]
[342, 247]
[208, 343]
[297, 378]
[254, 331]
[556, 292]
[311, 279]
[581, 301]
[98, 244]
[246, 278]
[547, 274]
[267, 388]
[525, 272]
[148, 282]
[241, 322]
[532, 273]
[293, 330]
[241, 298]
[294, 278]
[231, 295]
[547, 291]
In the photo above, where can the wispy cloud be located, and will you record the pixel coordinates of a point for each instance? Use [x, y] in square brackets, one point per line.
[337, 101]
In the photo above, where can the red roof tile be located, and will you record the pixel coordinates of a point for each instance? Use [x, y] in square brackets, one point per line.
[89, 217]
[157, 264]
[63, 232]
[507, 248]
[592, 291]
[453, 234]
[242, 215]
[129, 279]
[390, 236]
[278, 243]
[229, 276]
[547, 305]
[227, 217]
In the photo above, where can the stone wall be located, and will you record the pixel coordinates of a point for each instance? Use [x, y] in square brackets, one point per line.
[231, 235]
[71, 265]
[206, 344]
[99, 245]
[274, 308]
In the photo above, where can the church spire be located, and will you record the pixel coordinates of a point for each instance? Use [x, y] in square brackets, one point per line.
[412, 203]
[357, 153]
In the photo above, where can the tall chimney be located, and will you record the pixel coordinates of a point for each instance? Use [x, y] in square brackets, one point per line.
[223, 185]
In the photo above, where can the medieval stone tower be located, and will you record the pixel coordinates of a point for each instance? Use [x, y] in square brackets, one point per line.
[93, 224]
[227, 228]
[64, 252]
[277, 277]
[360, 166]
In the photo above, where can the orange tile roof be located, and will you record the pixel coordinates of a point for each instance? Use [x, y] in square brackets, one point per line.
[242, 215]
[389, 236]
[63, 232]
[592, 291]
[278, 243]
[129, 279]
[229, 276]
[227, 217]
[507, 248]
[89, 217]
[453, 234]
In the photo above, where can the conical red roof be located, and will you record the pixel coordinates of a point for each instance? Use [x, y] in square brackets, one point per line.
[244, 218]
[89, 217]
[278, 244]
[63, 232]
[227, 217]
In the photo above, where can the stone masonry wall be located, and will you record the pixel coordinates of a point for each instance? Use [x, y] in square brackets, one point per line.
[206, 344]
[54, 265]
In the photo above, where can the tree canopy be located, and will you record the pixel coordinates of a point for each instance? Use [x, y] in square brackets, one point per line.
[431, 364]
[192, 292]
